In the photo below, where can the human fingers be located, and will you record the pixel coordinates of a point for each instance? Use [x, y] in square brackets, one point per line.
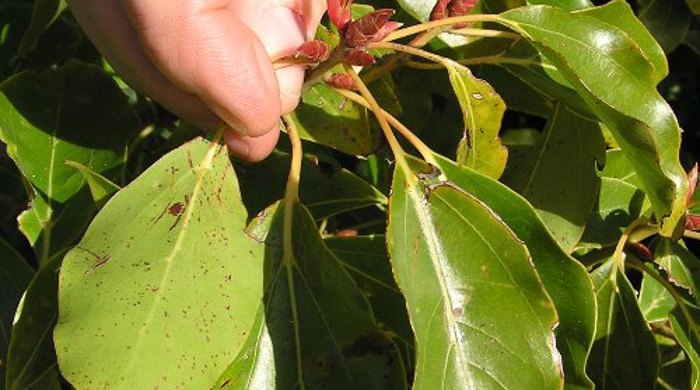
[203, 47]
[106, 25]
[252, 149]
[283, 26]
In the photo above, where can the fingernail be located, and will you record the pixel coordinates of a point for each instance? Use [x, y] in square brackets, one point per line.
[236, 145]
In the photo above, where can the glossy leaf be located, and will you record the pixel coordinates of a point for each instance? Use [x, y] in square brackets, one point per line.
[31, 362]
[525, 65]
[565, 280]
[482, 110]
[122, 302]
[668, 20]
[318, 329]
[558, 176]
[327, 118]
[617, 13]
[325, 189]
[624, 354]
[455, 260]
[613, 75]
[15, 275]
[570, 5]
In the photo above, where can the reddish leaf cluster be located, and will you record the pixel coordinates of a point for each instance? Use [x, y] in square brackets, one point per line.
[341, 81]
[372, 27]
[452, 8]
[339, 13]
[693, 221]
[313, 51]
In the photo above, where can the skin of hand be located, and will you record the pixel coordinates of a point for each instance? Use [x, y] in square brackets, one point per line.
[209, 60]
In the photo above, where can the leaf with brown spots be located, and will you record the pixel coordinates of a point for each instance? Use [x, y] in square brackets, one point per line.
[164, 278]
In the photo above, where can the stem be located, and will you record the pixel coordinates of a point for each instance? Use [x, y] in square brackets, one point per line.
[417, 143]
[485, 33]
[291, 197]
[409, 50]
[412, 30]
[691, 234]
[423, 65]
[381, 118]
[619, 248]
[394, 61]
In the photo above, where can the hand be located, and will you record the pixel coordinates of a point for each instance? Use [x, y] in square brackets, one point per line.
[209, 60]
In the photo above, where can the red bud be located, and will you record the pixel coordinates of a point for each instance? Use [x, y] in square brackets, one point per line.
[440, 10]
[339, 13]
[692, 183]
[461, 7]
[359, 57]
[341, 81]
[313, 51]
[367, 28]
[692, 222]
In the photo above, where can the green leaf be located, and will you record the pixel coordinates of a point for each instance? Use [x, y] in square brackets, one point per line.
[84, 117]
[318, 330]
[482, 110]
[569, 5]
[43, 15]
[31, 360]
[668, 20]
[325, 190]
[455, 261]
[517, 94]
[654, 301]
[624, 355]
[619, 204]
[565, 280]
[613, 75]
[101, 188]
[367, 261]
[15, 275]
[682, 266]
[558, 176]
[617, 13]
[327, 118]
[52, 229]
[164, 278]
[687, 333]
[74, 112]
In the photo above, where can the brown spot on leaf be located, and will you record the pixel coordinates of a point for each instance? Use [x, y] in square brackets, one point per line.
[175, 209]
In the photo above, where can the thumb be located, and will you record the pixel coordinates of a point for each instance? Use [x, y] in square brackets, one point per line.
[282, 26]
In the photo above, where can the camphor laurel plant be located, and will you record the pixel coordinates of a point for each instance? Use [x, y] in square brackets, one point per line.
[411, 240]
